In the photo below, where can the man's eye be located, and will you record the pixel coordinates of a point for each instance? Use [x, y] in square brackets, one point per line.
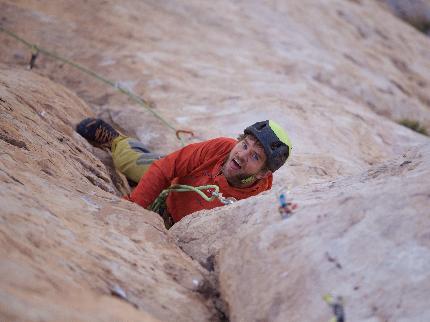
[244, 145]
[255, 156]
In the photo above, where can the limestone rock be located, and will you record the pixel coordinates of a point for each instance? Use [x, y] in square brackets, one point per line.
[68, 243]
[415, 12]
[338, 75]
[317, 67]
[363, 237]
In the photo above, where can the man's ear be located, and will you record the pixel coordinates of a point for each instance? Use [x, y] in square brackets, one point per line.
[263, 174]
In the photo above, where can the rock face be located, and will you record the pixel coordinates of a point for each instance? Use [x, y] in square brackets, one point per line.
[235, 63]
[337, 75]
[415, 12]
[365, 238]
[67, 241]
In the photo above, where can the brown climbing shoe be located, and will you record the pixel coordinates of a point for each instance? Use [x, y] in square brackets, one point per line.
[97, 131]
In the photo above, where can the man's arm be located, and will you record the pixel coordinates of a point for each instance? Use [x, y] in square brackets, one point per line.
[177, 164]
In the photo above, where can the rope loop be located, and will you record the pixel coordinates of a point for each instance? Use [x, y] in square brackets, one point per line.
[160, 202]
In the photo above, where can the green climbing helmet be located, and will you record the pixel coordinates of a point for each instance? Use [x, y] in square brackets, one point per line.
[274, 140]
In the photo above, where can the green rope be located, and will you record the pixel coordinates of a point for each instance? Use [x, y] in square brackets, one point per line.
[159, 203]
[137, 99]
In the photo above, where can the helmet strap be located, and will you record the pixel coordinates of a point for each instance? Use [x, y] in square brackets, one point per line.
[248, 180]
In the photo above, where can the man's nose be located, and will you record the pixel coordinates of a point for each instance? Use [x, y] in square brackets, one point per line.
[243, 155]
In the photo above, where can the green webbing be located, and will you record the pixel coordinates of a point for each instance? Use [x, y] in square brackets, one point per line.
[159, 203]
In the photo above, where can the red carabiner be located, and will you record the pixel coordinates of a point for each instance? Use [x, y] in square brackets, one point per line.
[184, 131]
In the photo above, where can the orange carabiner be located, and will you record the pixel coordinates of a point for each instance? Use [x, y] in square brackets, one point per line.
[184, 131]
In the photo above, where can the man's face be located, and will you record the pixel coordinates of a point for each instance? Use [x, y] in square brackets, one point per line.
[246, 159]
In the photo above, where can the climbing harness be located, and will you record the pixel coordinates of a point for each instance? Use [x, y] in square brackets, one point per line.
[35, 50]
[160, 202]
[337, 307]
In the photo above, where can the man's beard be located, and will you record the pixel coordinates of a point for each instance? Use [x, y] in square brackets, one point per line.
[236, 179]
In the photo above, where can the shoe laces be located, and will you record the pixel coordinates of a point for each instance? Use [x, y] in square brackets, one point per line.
[103, 135]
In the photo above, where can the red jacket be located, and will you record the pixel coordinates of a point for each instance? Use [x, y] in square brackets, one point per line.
[197, 164]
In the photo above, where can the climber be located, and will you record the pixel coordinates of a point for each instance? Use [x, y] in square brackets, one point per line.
[240, 168]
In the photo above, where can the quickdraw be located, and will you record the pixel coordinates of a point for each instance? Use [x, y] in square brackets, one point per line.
[337, 307]
[286, 208]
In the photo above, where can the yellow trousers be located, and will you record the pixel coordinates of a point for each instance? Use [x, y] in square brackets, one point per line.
[131, 158]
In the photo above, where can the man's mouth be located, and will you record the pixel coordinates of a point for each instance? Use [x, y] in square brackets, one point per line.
[236, 164]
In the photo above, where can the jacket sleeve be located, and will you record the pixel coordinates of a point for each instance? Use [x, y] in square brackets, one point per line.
[177, 164]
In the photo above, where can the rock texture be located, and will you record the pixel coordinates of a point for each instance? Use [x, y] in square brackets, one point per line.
[414, 12]
[364, 237]
[68, 243]
[233, 63]
[338, 75]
